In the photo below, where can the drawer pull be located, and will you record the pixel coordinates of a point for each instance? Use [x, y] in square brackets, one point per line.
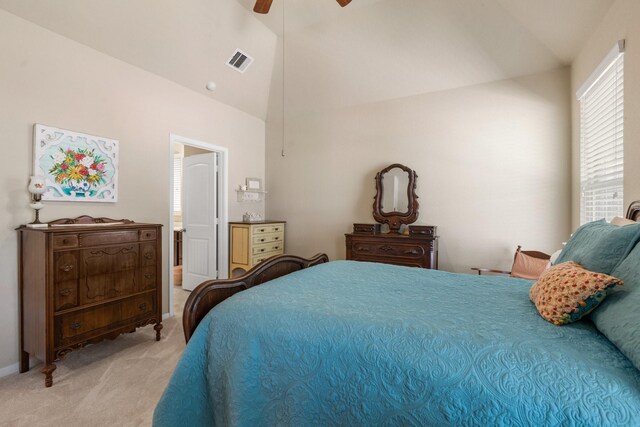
[67, 267]
[148, 255]
[262, 230]
[66, 291]
[148, 275]
[386, 248]
[362, 249]
[143, 306]
[262, 240]
[65, 241]
[262, 250]
[276, 247]
[75, 326]
[277, 229]
[147, 235]
[276, 238]
[411, 252]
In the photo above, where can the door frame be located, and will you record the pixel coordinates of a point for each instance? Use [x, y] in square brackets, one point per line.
[223, 206]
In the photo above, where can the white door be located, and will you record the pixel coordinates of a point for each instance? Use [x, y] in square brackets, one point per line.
[199, 219]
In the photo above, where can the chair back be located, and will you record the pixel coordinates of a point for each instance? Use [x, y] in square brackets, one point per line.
[529, 264]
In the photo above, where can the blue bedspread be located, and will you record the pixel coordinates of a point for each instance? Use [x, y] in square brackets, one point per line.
[349, 343]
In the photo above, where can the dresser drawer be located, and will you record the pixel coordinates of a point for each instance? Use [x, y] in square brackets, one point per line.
[110, 238]
[268, 238]
[65, 241]
[388, 250]
[147, 278]
[267, 228]
[108, 273]
[65, 284]
[74, 326]
[147, 254]
[264, 248]
[147, 234]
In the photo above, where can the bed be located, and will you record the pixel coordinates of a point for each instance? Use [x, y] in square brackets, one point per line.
[355, 343]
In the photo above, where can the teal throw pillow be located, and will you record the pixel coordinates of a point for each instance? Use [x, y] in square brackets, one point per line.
[618, 317]
[599, 246]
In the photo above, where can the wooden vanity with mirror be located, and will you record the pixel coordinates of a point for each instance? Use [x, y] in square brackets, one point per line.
[394, 240]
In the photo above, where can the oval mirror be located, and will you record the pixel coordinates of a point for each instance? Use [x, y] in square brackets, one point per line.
[396, 202]
[395, 183]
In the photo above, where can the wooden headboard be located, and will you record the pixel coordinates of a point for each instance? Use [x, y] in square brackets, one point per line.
[211, 293]
[634, 211]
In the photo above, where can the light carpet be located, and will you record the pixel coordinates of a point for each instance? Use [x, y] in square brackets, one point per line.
[112, 383]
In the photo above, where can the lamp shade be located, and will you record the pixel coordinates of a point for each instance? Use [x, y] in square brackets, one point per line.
[37, 184]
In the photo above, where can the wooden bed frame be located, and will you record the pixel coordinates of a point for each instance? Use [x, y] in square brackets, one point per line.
[211, 293]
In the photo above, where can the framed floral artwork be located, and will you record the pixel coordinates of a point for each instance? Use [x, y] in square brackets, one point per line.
[77, 166]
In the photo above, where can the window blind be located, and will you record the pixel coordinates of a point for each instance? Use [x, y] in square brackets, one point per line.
[177, 183]
[601, 140]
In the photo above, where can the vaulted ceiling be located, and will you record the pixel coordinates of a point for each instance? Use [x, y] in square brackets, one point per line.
[369, 51]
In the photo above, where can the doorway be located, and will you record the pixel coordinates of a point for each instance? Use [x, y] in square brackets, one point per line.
[198, 238]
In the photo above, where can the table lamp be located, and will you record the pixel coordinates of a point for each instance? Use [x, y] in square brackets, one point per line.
[37, 187]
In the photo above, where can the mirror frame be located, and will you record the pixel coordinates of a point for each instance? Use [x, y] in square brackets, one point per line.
[395, 219]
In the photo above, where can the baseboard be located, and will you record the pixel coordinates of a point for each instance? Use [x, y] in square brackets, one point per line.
[8, 370]
[15, 368]
[165, 316]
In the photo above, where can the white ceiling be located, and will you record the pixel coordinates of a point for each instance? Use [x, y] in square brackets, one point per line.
[369, 51]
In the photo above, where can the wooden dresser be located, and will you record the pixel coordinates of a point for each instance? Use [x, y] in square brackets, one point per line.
[252, 243]
[419, 249]
[83, 280]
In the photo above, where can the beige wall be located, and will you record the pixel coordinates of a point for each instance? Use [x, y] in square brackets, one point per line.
[621, 22]
[48, 79]
[492, 160]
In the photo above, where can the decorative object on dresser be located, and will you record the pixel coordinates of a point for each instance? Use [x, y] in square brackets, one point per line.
[83, 280]
[395, 206]
[37, 187]
[251, 243]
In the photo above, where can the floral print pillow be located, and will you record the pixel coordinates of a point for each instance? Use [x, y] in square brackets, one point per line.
[566, 292]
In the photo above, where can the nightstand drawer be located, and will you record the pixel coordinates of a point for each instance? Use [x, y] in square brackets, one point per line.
[268, 238]
[269, 247]
[270, 228]
[259, 258]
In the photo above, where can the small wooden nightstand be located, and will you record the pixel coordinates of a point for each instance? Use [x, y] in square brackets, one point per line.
[250, 243]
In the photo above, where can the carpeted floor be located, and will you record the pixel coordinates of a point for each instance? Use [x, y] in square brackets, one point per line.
[112, 383]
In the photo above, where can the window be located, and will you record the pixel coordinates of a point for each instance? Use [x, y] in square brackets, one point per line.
[601, 139]
[177, 184]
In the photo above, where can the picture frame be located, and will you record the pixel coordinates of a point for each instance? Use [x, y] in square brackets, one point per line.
[77, 167]
[254, 184]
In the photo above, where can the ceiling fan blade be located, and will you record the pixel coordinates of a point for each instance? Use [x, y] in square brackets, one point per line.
[343, 3]
[263, 6]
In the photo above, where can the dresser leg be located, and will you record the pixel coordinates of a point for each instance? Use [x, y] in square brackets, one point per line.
[24, 361]
[48, 374]
[158, 328]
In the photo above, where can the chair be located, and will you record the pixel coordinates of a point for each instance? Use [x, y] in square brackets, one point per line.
[526, 265]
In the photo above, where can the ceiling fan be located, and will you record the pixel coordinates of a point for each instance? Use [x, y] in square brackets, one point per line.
[262, 6]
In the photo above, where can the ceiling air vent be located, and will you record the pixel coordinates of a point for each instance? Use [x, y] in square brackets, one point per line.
[240, 61]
